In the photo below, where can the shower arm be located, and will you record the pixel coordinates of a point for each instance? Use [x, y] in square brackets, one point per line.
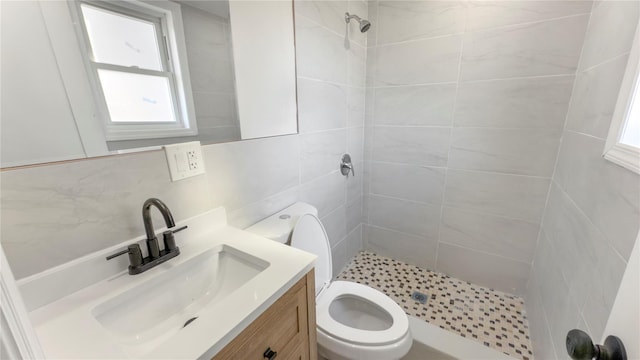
[348, 17]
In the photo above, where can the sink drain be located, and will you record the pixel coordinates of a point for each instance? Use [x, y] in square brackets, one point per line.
[189, 321]
[419, 297]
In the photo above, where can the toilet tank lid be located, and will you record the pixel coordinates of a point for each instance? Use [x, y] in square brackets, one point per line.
[278, 226]
[273, 228]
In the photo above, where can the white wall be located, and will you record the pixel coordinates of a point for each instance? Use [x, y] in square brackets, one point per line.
[51, 214]
[262, 33]
[625, 313]
[36, 120]
[591, 217]
[466, 101]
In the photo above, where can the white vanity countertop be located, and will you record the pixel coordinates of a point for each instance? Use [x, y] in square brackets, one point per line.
[68, 329]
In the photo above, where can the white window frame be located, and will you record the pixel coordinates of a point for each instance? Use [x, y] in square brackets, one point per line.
[622, 154]
[168, 17]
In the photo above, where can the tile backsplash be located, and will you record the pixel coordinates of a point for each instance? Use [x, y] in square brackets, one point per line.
[55, 213]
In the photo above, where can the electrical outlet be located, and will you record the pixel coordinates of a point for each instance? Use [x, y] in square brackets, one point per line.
[184, 160]
[194, 163]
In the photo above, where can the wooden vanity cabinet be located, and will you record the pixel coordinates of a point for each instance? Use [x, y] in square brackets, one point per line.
[288, 328]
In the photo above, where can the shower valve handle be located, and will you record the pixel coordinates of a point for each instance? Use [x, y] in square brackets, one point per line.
[346, 166]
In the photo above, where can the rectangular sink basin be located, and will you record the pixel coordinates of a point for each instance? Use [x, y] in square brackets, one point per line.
[145, 316]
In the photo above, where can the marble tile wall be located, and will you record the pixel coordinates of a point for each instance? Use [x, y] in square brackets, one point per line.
[331, 97]
[465, 106]
[592, 214]
[54, 213]
[211, 70]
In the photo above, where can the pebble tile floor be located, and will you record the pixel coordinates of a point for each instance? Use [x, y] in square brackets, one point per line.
[491, 317]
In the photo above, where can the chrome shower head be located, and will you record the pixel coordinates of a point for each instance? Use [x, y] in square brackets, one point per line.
[364, 24]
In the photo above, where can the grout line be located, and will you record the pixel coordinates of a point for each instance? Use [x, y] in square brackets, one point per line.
[539, 128]
[609, 60]
[363, 162]
[352, 231]
[408, 164]
[562, 138]
[516, 78]
[585, 134]
[466, 82]
[406, 200]
[588, 329]
[322, 131]
[545, 319]
[446, 171]
[403, 42]
[486, 253]
[333, 32]
[495, 172]
[528, 221]
[401, 232]
[412, 85]
[535, 22]
[370, 76]
[597, 229]
[462, 170]
[370, 157]
[554, 258]
[332, 211]
[410, 126]
[476, 31]
[377, 5]
[343, 85]
[364, 132]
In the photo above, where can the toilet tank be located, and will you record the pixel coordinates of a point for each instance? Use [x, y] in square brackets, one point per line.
[278, 227]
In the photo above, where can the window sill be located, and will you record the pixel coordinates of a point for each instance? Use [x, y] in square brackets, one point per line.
[146, 133]
[626, 156]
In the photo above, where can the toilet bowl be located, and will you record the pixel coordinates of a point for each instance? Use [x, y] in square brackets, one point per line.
[354, 321]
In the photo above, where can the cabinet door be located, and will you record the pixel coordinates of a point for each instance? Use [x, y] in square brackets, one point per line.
[300, 353]
[283, 328]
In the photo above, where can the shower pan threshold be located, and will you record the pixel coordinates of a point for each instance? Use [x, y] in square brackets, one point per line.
[488, 317]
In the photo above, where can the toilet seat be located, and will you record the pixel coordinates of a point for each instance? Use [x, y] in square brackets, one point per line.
[335, 339]
[309, 235]
[337, 289]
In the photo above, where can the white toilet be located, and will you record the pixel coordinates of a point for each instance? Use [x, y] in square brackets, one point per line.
[354, 321]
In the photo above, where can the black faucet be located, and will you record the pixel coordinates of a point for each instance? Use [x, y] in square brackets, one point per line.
[138, 264]
[152, 240]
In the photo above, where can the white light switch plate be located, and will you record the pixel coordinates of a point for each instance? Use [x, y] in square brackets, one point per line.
[184, 159]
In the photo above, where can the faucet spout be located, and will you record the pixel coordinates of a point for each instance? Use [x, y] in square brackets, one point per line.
[139, 264]
[146, 216]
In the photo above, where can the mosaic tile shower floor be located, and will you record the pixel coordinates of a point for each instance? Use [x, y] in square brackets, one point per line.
[491, 317]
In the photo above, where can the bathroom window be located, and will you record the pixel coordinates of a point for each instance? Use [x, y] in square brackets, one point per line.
[132, 54]
[623, 143]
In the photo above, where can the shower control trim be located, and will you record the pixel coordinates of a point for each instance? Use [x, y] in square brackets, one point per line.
[346, 166]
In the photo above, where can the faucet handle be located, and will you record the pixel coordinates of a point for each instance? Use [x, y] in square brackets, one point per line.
[135, 255]
[169, 239]
[178, 229]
